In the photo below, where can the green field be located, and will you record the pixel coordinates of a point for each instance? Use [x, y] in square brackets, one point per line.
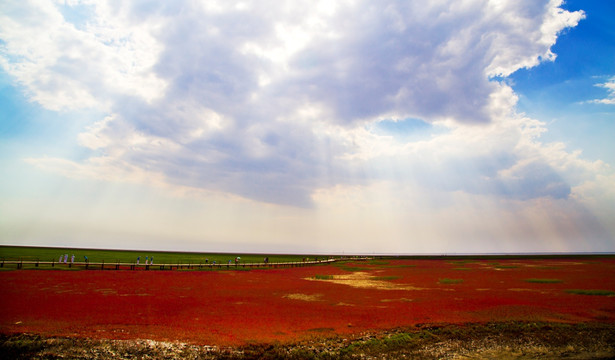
[130, 256]
[544, 281]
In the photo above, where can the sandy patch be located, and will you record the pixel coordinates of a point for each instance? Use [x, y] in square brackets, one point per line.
[396, 300]
[106, 291]
[529, 290]
[363, 280]
[304, 297]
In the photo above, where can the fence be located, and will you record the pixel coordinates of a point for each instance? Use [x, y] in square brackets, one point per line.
[19, 264]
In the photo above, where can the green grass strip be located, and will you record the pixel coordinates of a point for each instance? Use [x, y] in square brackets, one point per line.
[450, 281]
[544, 281]
[130, 256]
[378, 262]
[593, 292]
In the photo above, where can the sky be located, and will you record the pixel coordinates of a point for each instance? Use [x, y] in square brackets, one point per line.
[397, 127]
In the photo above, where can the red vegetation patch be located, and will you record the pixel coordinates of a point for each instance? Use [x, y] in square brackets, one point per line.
[238, 307]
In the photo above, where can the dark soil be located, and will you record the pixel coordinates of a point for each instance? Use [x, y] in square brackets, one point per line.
[509, 340]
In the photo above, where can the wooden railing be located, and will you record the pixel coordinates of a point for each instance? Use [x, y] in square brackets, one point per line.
[20, 264]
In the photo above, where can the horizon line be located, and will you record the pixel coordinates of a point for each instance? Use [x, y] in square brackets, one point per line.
[342, 253]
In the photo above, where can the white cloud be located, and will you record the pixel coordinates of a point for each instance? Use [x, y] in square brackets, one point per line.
[274, 101]
[610, 88]
[65, 67]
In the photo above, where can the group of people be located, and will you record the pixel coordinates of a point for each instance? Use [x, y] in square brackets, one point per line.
[64, 259]
[237, 259]
[148, 261]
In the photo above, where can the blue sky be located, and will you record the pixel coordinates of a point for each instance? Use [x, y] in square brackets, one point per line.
[560, 92]
[401, 127]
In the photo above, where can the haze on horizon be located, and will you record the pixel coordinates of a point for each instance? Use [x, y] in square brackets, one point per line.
[399, 127]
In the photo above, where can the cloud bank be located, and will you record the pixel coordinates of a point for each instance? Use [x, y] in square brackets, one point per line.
[270, 101]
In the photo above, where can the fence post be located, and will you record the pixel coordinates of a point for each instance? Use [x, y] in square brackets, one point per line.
[102, 265]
